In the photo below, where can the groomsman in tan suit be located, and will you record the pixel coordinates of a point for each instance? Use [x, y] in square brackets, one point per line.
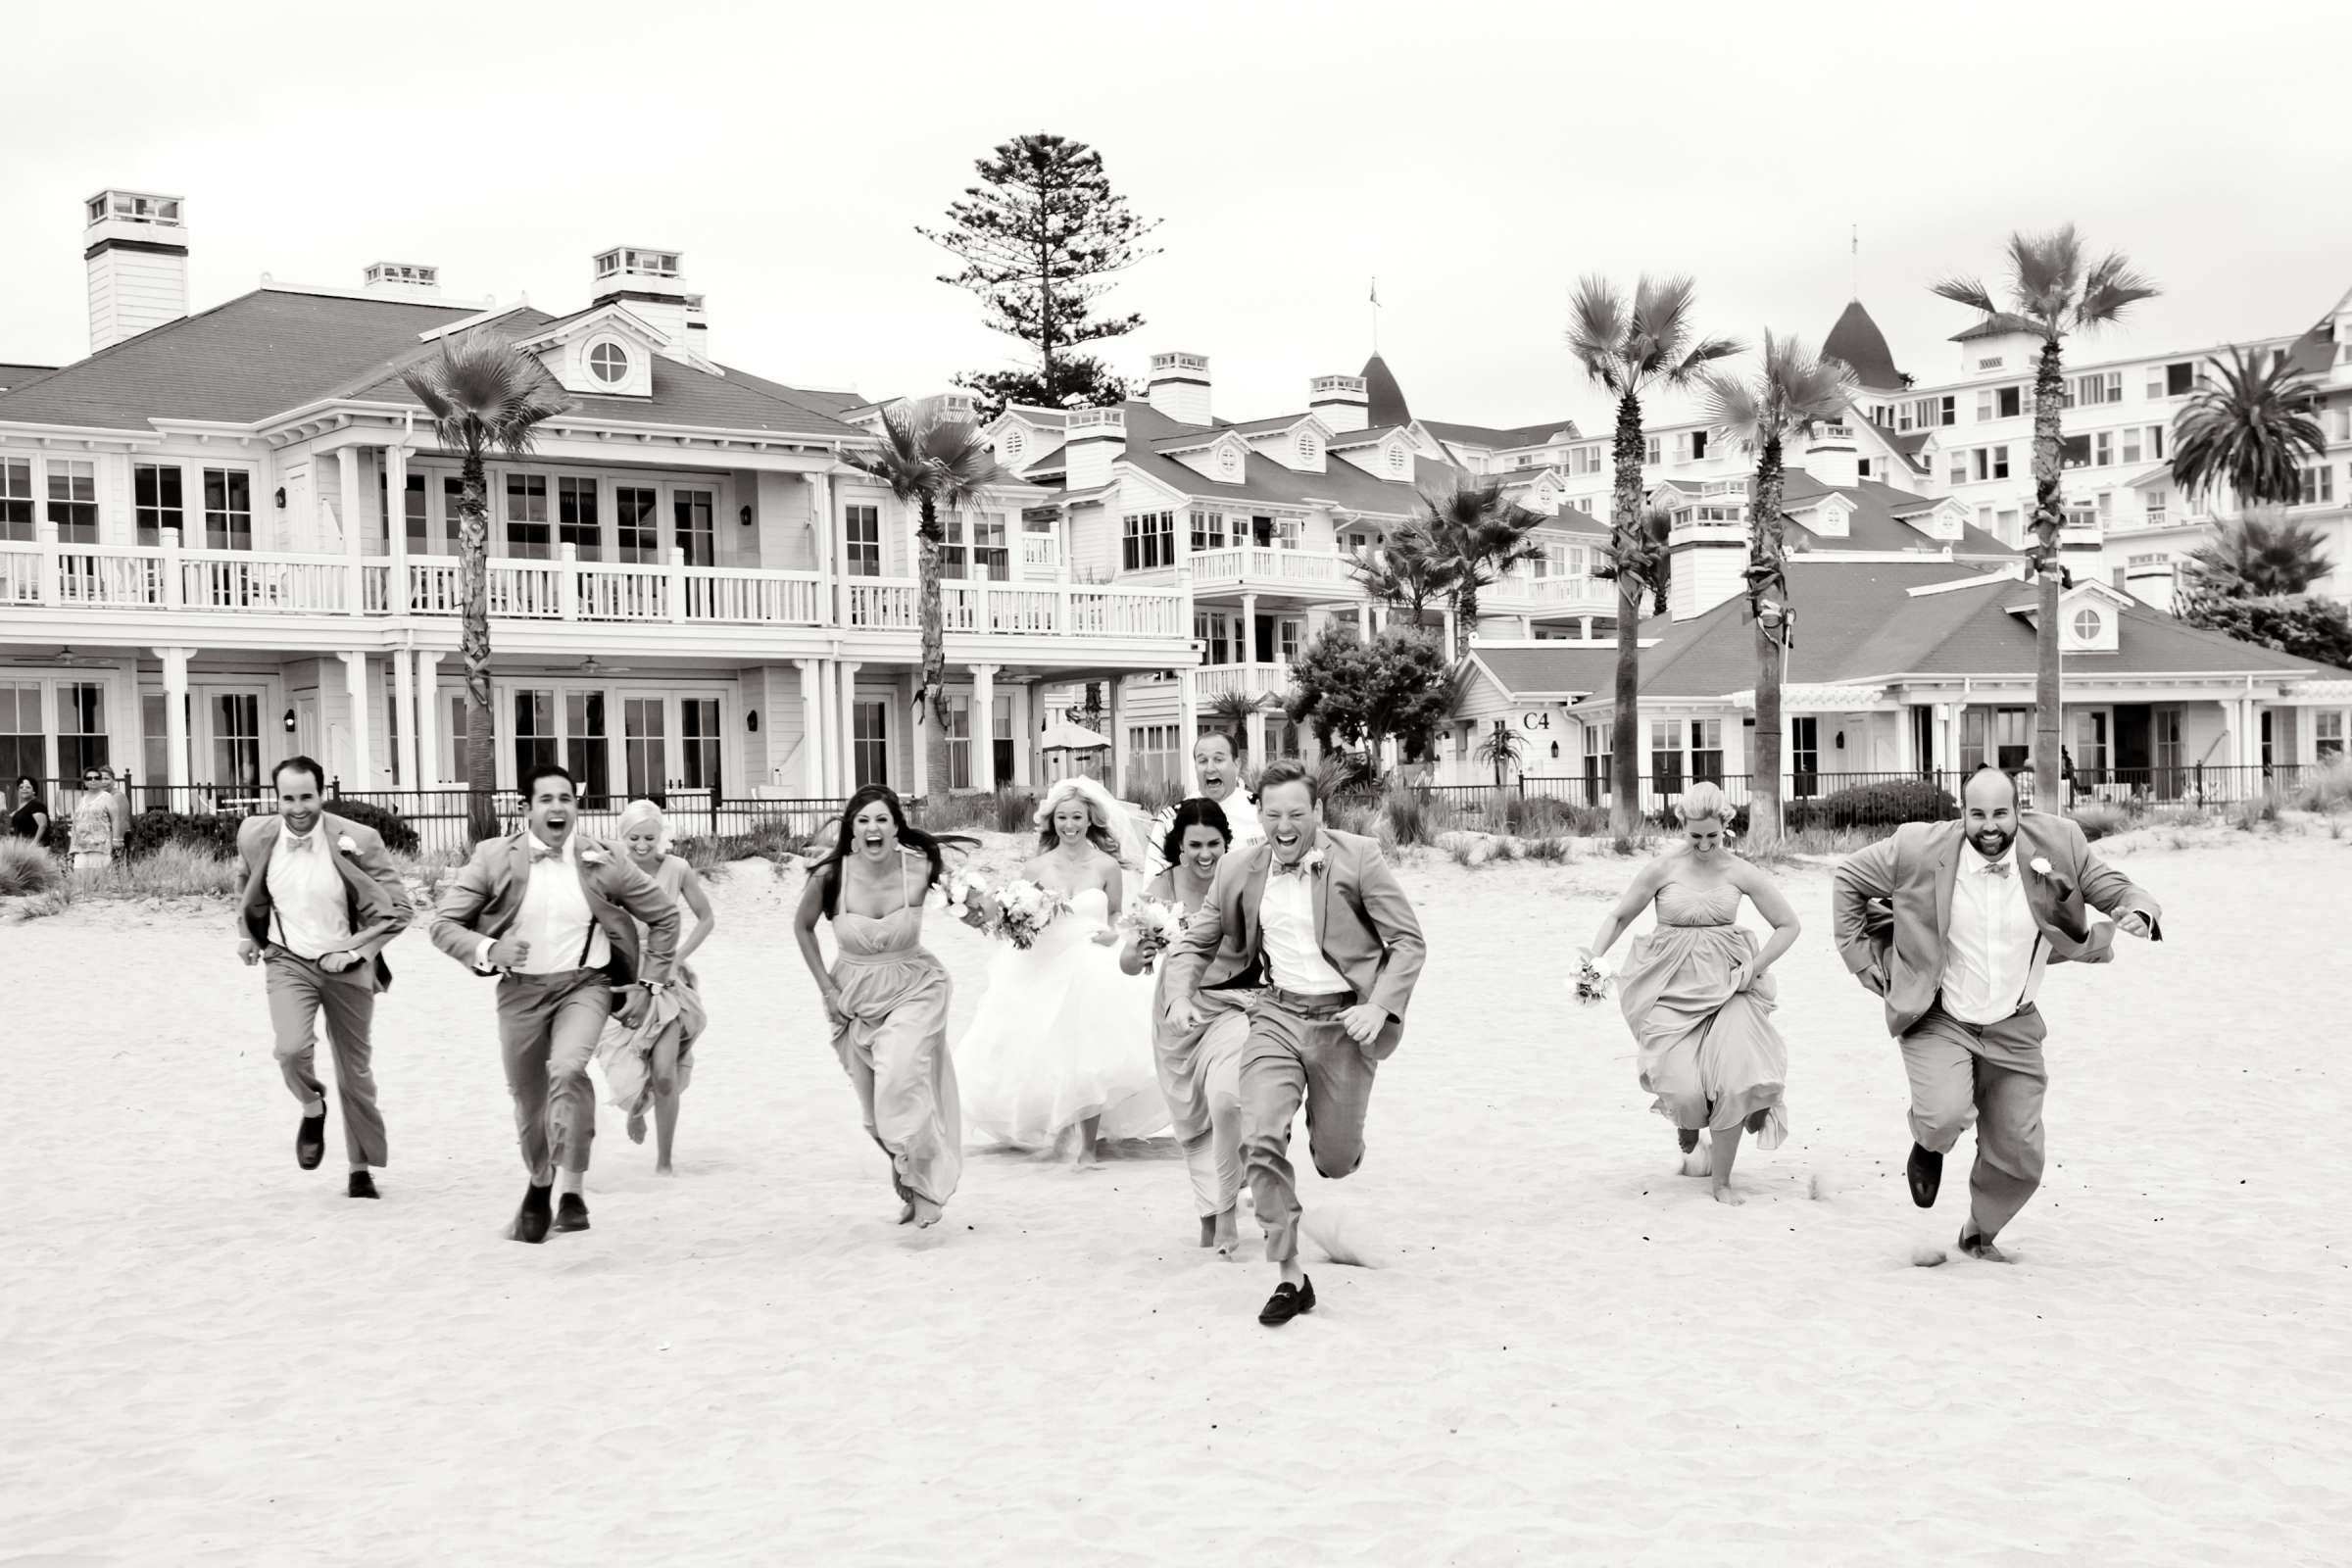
[321, 900]
[1323, 916]
[546, 909]
[1953, 924]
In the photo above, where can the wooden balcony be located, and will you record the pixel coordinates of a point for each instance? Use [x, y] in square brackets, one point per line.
[1258, 681]
[1315, 573]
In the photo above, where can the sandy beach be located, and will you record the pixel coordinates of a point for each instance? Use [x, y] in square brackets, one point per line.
[1568, 1352]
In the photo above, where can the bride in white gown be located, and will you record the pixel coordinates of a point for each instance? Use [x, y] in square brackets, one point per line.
[1062, 1040]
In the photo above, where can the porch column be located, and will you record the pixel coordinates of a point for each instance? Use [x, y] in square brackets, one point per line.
[1449, 630]
[820, 545]
[1249, 632]
[355, 685]
[1024, 733]
[812, 731]
[428, 719]
[846, 718]
[1255, 733]
[1363, 619]
[1187, 724]
[984, 726]
[396, 548]
[347, 475]
[176, 720]
[1116, 719]
[404, 713]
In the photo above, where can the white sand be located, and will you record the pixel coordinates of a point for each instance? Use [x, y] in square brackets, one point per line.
[210, 1356]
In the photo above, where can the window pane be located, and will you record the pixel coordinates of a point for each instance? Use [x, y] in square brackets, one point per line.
[862, 541]
[575, 517]
[587, 751]
[691, 510]
[156, 500]
[526, 517]
[227, 509]
[238, 743]
[534, 733]
[73, 500]
[80, 729]
[642, 721]
[637, 524]
[697, 739]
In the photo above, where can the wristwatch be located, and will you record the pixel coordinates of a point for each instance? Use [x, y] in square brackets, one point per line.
[655, 987]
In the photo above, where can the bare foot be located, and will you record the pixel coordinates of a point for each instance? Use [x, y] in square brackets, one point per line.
[1725, 1195]
[662, 1167]
[1229, 1233]
[906, 1212]
[924, 1212]
[636, 1126]
[1088, 1155]
[1209, 1230]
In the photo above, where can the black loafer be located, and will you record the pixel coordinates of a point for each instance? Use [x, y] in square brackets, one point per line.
[1687, 1137]
[1287, 1303]
[571, 1212]
[310, 1141]
[530, 1220]
[362, 1184]
[1926, 1172]
[1975, 1244]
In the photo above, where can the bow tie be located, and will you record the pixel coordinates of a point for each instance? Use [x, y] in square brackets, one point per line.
[302, 843]
[2000, 868]
[1297, 867]
[541, 850]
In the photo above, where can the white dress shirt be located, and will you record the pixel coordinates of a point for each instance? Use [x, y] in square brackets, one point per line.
[1286, 917]
[1994, 960]
[555, 918]
[314, 917]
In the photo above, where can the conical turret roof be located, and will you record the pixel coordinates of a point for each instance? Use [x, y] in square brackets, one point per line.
[1857, 340]
[1383, 398]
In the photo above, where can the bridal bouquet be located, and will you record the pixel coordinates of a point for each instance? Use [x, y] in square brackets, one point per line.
[965, 896]
[1156, 922]
[1592, 982]
[1024, 911]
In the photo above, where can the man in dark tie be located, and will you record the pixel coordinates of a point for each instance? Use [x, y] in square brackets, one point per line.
[321, 900]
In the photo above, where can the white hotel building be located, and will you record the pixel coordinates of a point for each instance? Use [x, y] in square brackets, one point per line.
[228, 536]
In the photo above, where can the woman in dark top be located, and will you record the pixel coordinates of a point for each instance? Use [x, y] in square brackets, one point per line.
[28, 817]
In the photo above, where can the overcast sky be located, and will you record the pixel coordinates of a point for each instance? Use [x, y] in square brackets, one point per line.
[1477, 158]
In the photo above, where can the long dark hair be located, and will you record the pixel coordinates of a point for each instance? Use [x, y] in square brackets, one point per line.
[1196, 812]
[1098, 834]
[829, 869]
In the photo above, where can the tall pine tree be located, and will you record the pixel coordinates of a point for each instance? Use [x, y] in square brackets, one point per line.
[1039, 238]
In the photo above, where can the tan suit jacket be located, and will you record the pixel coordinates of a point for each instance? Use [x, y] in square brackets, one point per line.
[1364, 922]
[376, 900]
[487, 894]
[1893, 905]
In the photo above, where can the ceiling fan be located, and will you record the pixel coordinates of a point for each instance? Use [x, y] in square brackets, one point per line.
[70, 660]
[593, 665]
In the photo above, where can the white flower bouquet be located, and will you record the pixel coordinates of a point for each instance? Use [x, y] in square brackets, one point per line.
[965, 896]
[1155, 923]
[1592, 982]
[1023, 911]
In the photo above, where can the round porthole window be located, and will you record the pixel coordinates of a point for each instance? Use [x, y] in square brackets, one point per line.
[2089, 624]
[609, 363]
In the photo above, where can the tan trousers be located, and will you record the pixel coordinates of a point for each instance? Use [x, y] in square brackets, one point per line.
[548, 1026]
[1993, 1075]
[299, 992]
[1291, 1057]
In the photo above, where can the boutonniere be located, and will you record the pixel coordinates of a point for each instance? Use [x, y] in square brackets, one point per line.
[593, 857]
[345, 845]
[1314, 861]
[2042, 867]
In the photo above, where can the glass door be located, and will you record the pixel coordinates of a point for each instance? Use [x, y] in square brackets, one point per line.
[870, 743]
[643, 739]
[236, 721]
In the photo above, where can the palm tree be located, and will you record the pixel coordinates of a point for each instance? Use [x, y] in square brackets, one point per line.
[2249, 429]
[2254, 559]
[1628, 352]
[1477, 535]
[482, 393]
[1231, 711]
[2055, 292]
[1403, 570]
[1792, 392]
[933, 464]
[1501, 749]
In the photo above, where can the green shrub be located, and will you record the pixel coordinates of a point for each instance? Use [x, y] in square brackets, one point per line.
[2328, 789]
[175, 869]
[59, 839]
[1888, 803]
[1407, 813]
[2099, 819]
[393, 828]
[26, 867]
[215, 832]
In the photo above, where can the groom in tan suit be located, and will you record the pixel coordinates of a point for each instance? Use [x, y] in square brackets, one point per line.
[1953, 923]
[1321, 915]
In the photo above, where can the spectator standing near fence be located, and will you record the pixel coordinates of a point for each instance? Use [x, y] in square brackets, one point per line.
[95, 822]
[28, 817]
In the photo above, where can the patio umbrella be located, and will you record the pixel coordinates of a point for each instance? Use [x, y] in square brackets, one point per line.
[1064, 736]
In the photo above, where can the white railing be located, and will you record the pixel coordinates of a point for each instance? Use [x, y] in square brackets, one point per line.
[1040, 552]
[164, 577]
[1211, 681]
[1313, 568]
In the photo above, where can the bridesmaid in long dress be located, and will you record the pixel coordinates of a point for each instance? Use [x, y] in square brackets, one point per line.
[1200, 1069]
[887, 996]
[645, 835]
[1697, 995]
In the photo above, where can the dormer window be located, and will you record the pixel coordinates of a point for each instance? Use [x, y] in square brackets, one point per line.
[1397, 459]
[2088, 624]
[1307, 449]
[1229, 461]
[1014, 442]
[609, 363]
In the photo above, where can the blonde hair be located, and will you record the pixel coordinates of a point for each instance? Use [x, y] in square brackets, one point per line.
[644, 810]
[1706, 800]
